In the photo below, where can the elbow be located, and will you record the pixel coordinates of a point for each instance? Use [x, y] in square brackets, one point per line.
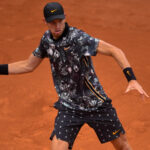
[29, 69]
[117, 52]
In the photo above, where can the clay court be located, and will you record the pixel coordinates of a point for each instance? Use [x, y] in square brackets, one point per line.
[26, 101]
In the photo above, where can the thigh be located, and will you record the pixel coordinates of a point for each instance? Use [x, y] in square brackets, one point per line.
[67, 126]
[121, 143]
[59, 144]
[106, 125]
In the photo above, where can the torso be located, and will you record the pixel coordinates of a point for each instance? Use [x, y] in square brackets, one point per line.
[74, 77]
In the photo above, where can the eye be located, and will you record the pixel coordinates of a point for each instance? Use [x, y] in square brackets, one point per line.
[60, 20]
[52, 23]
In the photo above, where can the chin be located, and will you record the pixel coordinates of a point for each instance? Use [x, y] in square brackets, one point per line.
[58, 34]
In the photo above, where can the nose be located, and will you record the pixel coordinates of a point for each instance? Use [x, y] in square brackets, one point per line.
[57, 25]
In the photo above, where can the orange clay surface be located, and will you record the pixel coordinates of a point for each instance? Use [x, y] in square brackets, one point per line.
[26, 101]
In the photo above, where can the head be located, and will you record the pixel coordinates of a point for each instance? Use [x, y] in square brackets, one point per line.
[55, 18]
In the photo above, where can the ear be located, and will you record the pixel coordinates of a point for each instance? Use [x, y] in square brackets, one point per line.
[44, 21]
[65, 15]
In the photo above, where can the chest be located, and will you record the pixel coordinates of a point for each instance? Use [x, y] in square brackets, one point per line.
[65, 51]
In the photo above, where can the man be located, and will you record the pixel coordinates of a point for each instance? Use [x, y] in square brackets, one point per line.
[81, 97]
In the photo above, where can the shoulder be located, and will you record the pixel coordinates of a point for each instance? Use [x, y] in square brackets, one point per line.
[46, 35]
[77, 34]
[76, 31]
[45, 40]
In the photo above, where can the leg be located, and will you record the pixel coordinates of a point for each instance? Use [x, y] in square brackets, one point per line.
[67, 126]
[121, 143]
[108, 128]
[59, 144]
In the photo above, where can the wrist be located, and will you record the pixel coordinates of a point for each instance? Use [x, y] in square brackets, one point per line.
[128, 72]
[4, 69]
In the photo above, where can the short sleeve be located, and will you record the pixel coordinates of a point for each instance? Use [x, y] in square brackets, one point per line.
[87, 44]
[40, 51]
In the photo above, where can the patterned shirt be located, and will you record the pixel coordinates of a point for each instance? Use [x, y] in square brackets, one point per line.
[74, 77]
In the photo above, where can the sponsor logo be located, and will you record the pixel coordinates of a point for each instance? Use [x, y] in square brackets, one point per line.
[52, 11]
[66, 48]
[128, 72]
[115, 132]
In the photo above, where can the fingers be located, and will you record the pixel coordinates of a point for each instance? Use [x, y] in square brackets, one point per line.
[144, 93]
[139, 89]
[129, 89]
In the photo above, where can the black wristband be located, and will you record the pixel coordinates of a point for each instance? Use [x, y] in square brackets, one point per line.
[128, 72]
[4, 69]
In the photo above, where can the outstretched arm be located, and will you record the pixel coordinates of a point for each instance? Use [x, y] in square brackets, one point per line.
[110, 50]
[24, 66]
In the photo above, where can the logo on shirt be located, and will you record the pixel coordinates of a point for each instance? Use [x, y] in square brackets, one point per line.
[115, 132]
[66, 48]
[52, 11]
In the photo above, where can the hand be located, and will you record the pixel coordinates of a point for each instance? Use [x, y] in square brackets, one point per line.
[134, 85]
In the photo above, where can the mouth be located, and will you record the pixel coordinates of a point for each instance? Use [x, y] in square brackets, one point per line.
[58, 31]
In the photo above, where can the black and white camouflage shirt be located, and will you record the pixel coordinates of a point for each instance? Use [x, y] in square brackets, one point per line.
[74, 77]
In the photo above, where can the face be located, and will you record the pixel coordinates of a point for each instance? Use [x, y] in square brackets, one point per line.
[56, 27]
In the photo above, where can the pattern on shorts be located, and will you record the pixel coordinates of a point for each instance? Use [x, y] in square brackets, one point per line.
[104, 122]
[74, 77]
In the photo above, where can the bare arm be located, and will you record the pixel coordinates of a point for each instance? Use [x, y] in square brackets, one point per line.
[24, 66]
[110, 50]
